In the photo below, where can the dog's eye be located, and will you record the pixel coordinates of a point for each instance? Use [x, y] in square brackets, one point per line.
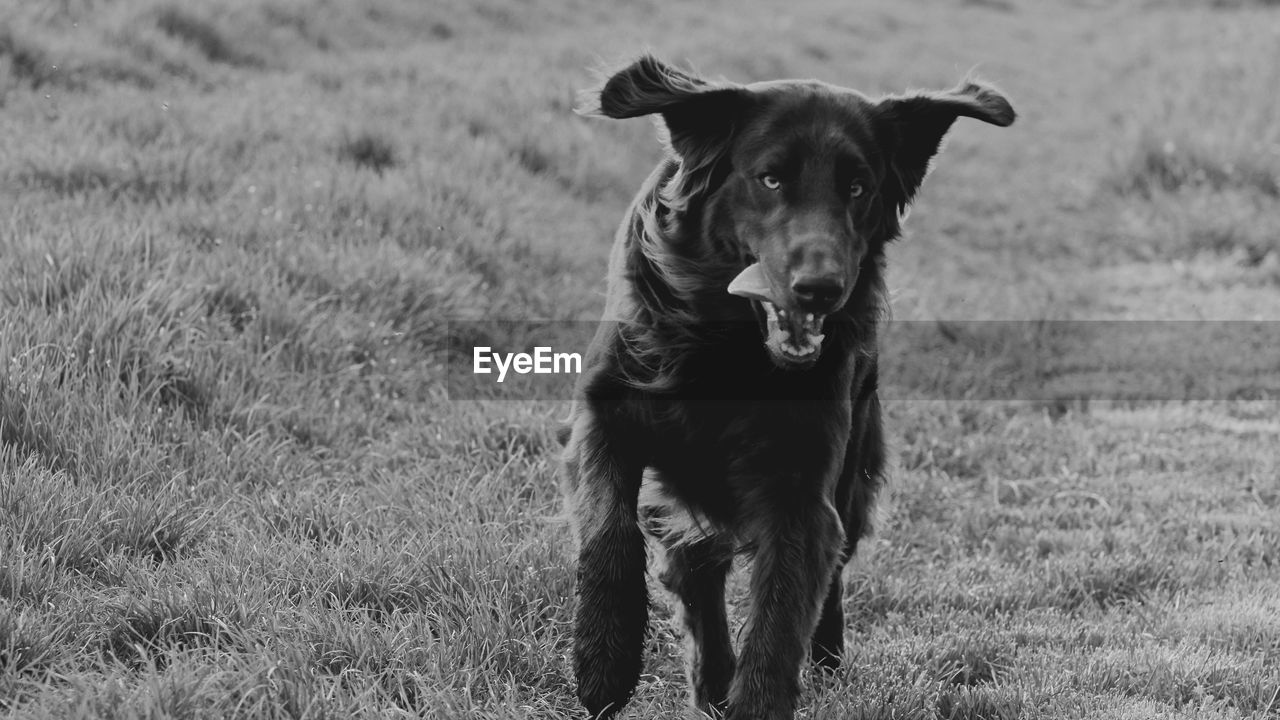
[770, 182]
[856, 190]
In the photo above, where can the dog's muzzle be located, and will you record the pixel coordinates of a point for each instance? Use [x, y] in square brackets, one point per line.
[793, 337]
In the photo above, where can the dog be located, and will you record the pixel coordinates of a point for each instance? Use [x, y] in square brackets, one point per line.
[735, 373]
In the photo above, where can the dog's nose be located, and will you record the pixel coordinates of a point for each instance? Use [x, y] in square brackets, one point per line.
[817, 293]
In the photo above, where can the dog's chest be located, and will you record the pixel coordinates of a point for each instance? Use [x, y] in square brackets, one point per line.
[726, 437]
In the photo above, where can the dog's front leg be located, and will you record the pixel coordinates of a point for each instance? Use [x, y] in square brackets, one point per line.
[796, 554]
[613, 599]
[696, 573]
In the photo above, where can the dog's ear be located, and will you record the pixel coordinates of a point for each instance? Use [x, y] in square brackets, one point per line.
[696, 112]
[912, 128]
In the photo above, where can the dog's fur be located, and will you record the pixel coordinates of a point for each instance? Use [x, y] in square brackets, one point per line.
[773, 450]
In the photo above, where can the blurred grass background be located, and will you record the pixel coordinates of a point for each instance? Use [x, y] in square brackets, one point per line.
[231, 235]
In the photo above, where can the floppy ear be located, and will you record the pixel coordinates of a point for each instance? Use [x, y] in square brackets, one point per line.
[699, 115]
[694, 110]
[912, 128]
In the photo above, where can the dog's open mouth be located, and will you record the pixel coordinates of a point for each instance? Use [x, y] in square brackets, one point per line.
[794, 339]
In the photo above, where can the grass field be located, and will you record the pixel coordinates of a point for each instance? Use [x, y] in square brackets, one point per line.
[232, 234]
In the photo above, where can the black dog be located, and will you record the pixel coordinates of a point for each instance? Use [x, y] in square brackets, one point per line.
[737, 371]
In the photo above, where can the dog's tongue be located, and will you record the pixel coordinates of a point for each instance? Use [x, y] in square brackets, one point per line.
[751, 283]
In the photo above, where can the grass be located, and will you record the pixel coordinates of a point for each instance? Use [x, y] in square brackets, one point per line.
[368, 150]
[232, 483]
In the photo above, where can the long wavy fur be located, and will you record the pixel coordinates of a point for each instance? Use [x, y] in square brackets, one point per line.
[676, 274]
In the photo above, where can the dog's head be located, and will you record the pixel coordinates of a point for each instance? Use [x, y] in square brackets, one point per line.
[801, 179]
